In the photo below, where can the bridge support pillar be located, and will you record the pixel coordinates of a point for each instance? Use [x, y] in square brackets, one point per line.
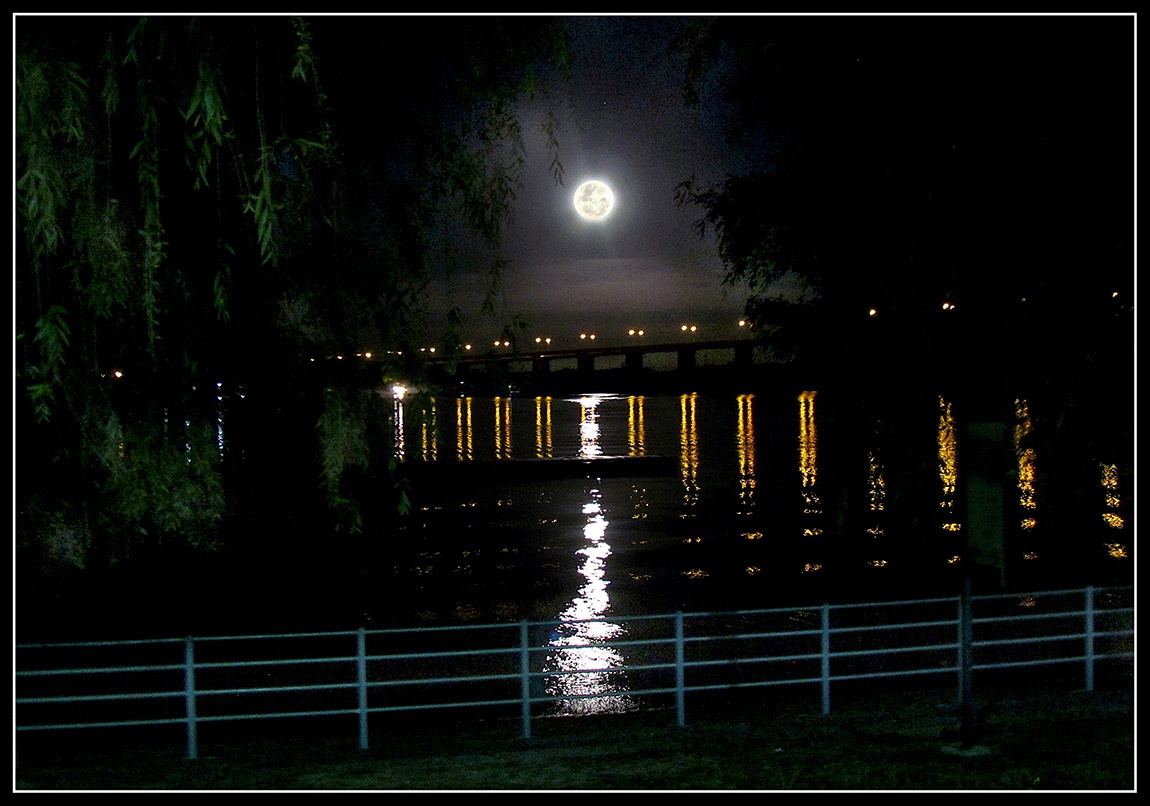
[745, 356]
[686, 359]
[633, 362]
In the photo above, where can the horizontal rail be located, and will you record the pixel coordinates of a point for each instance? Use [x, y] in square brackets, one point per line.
[518, 670]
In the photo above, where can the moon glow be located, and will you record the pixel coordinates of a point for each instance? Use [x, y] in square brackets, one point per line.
[594, 200]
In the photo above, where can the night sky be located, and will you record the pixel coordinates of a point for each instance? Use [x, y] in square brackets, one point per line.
[1003, 93]
[622, 120]
[1005, 98]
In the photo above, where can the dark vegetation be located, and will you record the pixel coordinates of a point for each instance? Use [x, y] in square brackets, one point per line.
[1034, 738]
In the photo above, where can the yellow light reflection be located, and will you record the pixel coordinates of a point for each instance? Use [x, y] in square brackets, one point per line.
[689, 451]
[1113, 520]
[543, 444]
[463, 432]
[947, 464]
[808, 460]
[876, 492]
[429, 438]
[636, 426]
[502, 428]
[640, 506]
[1110, 496]
[1027, 474]
[745, 447]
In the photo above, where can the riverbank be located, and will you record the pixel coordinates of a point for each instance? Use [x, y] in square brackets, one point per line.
[1042, 737]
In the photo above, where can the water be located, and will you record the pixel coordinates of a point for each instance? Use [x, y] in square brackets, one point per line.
[748, 516]
[751, 517]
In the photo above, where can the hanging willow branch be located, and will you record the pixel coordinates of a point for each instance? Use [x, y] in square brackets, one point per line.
[218, 151]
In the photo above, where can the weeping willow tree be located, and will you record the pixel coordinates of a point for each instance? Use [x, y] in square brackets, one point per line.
[207, 211]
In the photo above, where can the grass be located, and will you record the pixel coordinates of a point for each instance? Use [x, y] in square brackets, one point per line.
[1038, 739]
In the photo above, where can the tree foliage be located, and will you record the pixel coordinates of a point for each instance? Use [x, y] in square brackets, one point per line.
[900, 163]
[208, 210]
[938, 205]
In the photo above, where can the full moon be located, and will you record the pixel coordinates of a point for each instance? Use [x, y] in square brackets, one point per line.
[594, 200]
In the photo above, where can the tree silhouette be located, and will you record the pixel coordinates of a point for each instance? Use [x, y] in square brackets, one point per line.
[936, 205]
[209, 211]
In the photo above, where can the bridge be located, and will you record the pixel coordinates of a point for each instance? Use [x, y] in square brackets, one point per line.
[633, 355]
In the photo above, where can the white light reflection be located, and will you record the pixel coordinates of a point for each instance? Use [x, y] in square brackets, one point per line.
[579, 663]
[397, 422]
[219, 419]
[589, 426]
[574, 641]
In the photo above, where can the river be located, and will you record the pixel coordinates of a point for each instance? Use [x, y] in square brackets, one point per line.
[748, 512]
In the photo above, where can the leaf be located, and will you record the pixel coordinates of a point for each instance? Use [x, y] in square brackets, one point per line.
[53, 337]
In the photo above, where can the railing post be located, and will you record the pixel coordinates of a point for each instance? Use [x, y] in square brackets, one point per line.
[361, 683]
[826, 660]
[190, 695]
[680, 672]
[1090, 638]
[966, 662]
[525, 679]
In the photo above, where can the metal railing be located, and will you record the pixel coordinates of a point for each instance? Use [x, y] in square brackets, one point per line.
[566, 666]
